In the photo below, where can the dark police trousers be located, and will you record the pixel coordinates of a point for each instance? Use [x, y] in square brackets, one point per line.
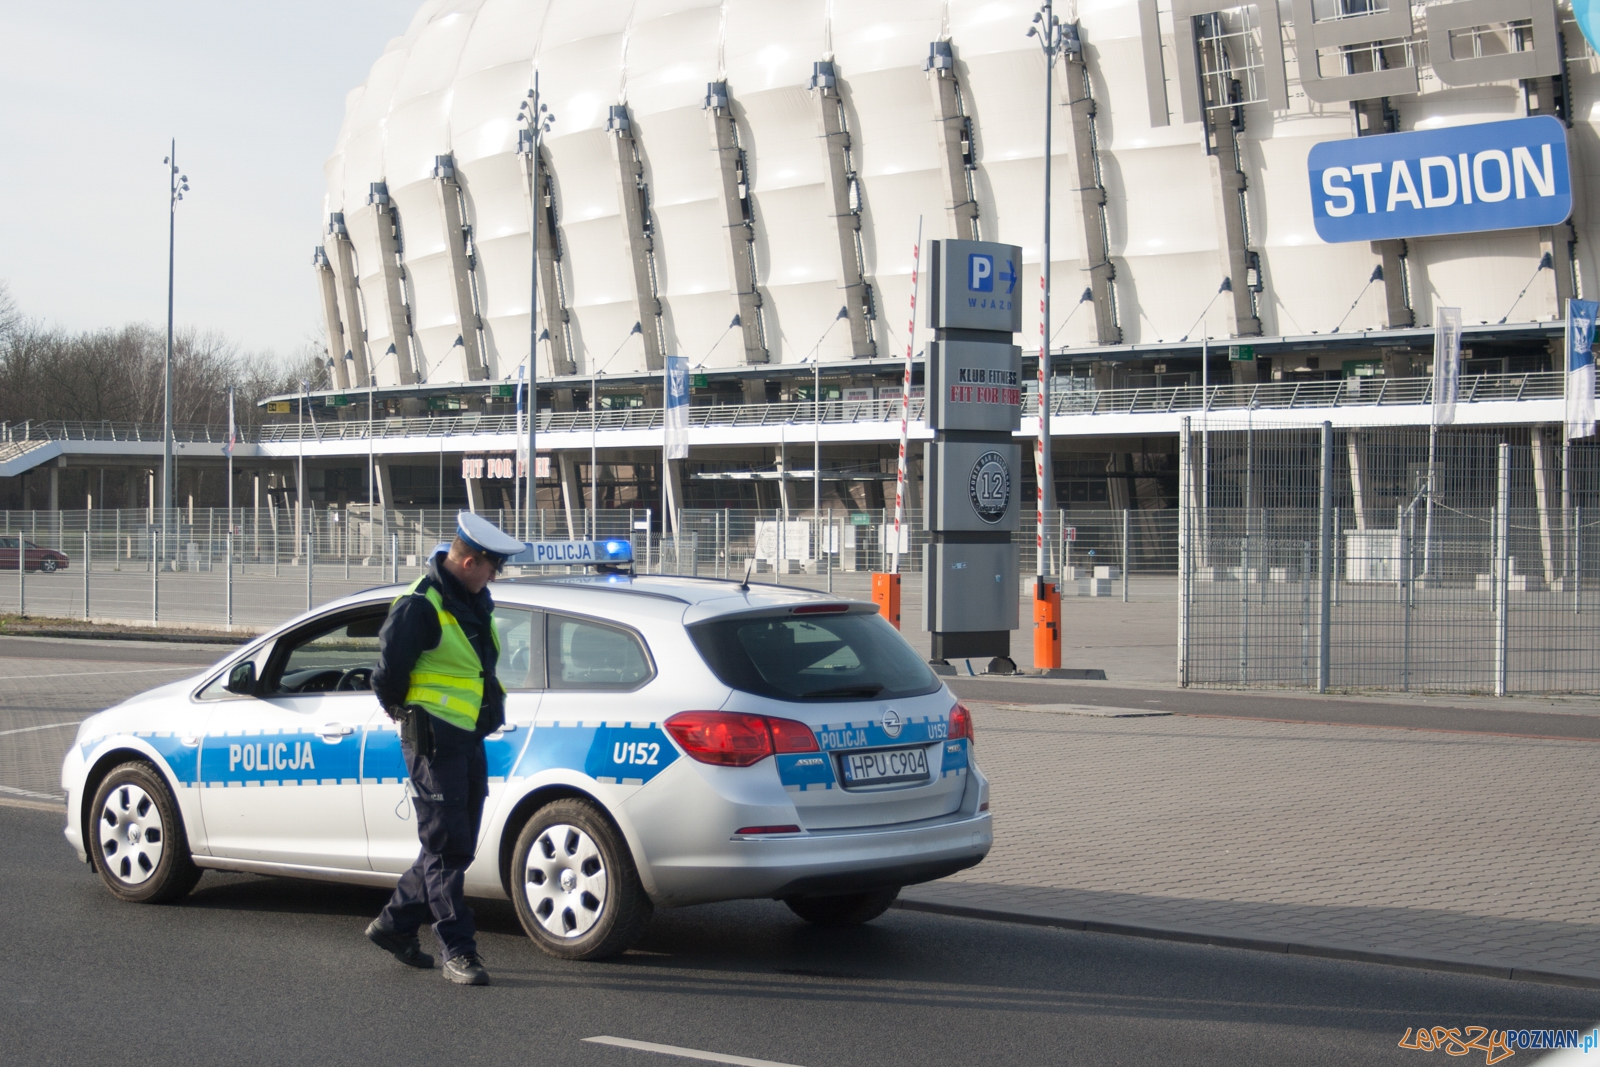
[450, 787]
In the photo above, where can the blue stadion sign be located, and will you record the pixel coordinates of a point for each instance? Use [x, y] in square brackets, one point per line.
[1461, 179]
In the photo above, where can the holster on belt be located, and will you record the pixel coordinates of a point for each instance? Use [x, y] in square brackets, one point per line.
[416, 729]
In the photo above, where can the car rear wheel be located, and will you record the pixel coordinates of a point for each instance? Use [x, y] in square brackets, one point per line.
[852, 909]
[47, 565]
[574, 883]
[137, 837]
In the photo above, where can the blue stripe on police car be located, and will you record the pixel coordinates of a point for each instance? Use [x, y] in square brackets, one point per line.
[1460, 179]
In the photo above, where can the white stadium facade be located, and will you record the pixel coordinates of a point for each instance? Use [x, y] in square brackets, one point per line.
[743, 182]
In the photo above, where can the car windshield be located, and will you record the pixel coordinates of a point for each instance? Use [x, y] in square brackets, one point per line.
[813, 657]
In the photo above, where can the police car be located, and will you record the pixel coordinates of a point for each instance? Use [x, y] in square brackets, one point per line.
[669, 741]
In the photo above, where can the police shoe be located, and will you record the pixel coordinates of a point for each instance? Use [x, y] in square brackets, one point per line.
[466, 969]
[405, 949]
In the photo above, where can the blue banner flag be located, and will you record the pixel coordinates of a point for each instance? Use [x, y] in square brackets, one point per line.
[1460, 179]
[1580, 367]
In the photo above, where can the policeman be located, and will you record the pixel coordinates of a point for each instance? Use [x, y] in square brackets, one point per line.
[436, 677]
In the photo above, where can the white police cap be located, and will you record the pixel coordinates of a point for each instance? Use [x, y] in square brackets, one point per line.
[483, 535]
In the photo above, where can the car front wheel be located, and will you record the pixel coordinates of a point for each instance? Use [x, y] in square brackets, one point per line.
[137, 837]
[852, 909]
[574, 883]
[47, 565]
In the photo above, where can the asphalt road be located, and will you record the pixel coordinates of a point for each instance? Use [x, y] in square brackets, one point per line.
[254, 970]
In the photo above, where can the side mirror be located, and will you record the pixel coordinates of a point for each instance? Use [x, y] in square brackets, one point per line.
[242, 679]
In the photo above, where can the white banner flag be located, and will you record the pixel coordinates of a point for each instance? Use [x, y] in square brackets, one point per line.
[677, 414]
[1446, 364]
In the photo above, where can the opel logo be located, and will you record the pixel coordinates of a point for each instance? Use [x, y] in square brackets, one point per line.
[892, 723]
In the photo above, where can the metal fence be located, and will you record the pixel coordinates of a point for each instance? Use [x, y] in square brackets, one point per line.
[1389, 559]
[255, 567]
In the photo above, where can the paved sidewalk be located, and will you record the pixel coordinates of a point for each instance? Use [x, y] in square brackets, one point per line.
[1434, 849]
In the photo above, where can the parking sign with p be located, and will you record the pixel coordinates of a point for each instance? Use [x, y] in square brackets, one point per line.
[980, 273]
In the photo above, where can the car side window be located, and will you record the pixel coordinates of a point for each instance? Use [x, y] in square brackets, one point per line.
[521, 664]
[337, 657]
[584, 654]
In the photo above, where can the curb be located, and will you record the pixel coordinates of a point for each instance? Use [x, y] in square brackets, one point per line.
[1251, 944]
[116, 635]
[33, 805]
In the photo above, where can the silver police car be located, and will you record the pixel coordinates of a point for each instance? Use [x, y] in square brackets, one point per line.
[669, 741]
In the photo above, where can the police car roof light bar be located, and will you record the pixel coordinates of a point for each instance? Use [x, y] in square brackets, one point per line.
[611, 554]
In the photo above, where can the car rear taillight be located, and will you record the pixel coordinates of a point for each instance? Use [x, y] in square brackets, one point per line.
[961, 722]
[737, 739]
[791, 736]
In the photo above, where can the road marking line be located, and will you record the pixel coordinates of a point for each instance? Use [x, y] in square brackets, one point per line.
[30, 729]
[686, 1053]
[54, 796]
[90, 674]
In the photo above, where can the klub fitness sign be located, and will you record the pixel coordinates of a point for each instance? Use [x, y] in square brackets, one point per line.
[1461, 179]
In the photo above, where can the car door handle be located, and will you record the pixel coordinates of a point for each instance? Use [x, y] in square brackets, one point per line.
[191, 741]
[333, 730]
[506, 728]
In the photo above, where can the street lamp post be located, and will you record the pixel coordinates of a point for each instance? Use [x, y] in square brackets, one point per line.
[816, 437]
[1048, 29]
[537, 120]
[177, 185]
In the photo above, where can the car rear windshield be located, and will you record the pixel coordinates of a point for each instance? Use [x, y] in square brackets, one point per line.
[813, 657]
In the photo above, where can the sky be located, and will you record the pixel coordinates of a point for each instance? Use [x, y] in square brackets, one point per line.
[93, 92]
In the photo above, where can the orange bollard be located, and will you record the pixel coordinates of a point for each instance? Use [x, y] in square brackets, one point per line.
[886, 595]
[1046, 625]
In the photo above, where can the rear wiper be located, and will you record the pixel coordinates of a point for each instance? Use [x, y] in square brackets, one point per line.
[846, 691]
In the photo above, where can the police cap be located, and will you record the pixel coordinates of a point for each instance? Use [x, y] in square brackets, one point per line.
[481, 534]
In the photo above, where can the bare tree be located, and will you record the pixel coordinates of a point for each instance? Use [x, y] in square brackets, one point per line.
[118, 375]
[10, 317]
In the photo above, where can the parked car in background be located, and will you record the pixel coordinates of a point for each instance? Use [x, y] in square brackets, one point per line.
[38, 559]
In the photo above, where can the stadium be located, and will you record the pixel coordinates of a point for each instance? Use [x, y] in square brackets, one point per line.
[744, 184]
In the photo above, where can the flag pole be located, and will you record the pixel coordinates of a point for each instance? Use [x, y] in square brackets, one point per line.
[905, 405]
[233, 434]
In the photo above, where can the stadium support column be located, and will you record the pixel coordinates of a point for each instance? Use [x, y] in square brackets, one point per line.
[1239, 264]
[635, 196]
[571, 490]
[1397, 311]
[552, 291]
[342, 260]
[328, 285]
[1212, 97]
[1088, 192]
[394, 282]
[1549, 95]
[740, 212]
[1376, 116]
[457, 241]
[954, 130]
[385, 486]
[845, 201]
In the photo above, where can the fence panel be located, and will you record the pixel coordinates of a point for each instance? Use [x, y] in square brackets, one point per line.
[1458, 559]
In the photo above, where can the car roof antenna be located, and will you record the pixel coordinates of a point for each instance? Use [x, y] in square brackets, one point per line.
[749, 567]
